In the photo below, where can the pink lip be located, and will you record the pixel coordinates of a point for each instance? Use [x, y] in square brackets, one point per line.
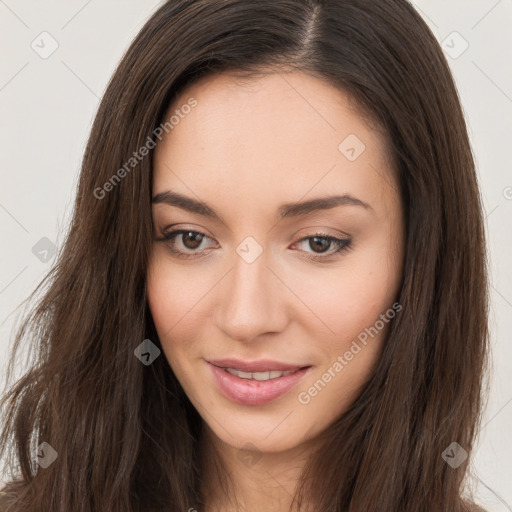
[254, 392]
[264, 365]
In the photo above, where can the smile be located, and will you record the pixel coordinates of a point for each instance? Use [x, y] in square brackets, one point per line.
[255, 388]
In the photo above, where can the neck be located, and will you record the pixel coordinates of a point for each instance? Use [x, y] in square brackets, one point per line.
[246, 479]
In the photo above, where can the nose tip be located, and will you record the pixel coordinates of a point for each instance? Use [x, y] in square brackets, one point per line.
[250, 302]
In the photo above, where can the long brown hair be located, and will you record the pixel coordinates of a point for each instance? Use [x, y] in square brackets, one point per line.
[125, 433]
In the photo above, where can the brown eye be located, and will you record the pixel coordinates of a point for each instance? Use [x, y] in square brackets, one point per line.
[319, 244]
[184, 243]
[191, 239]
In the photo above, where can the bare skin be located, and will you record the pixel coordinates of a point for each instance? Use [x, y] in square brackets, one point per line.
[245, 150]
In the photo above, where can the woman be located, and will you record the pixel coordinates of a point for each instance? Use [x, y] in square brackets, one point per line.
[273, 293]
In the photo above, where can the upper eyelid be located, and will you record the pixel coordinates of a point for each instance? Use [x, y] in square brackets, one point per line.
[181, 231]
[167, 230]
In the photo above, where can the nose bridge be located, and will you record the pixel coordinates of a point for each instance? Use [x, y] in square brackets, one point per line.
[250, 302]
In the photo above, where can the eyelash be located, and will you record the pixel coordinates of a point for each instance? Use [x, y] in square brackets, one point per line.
[343, 244]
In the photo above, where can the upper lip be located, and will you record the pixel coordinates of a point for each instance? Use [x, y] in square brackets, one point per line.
[263, 365]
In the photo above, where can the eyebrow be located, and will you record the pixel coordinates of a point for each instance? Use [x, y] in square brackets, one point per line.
[285, 211]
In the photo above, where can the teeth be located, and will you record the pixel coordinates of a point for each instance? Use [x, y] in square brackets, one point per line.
[257, 375]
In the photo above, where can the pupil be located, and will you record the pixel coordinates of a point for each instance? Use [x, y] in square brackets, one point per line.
[192, 235]
[325, 243]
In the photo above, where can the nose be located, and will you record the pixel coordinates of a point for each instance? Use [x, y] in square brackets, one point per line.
[252, 300]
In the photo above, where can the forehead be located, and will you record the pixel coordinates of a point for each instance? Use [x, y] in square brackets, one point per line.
[269, 140]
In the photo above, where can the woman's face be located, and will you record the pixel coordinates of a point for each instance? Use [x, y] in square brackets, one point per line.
[253, 276]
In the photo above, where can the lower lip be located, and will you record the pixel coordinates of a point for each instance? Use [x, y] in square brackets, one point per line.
[254, 392]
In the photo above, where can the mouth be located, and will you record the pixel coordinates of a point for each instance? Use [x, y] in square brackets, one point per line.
[260, 376]
[261, 366]
[256, 387]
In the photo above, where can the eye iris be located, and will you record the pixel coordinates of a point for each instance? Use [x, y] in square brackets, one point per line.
[323, 246]
[198, 238]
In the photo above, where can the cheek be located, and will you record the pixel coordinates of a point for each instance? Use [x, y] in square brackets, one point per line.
[178, 301]
[355, 308]
[169, 296]
[172, 292]
[350, 296]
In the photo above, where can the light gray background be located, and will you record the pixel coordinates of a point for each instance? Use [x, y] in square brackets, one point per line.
[48, 105]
